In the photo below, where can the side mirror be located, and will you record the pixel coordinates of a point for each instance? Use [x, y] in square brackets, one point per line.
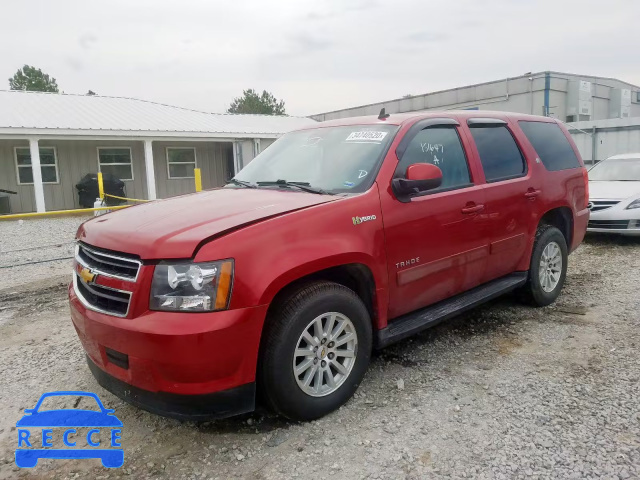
[419, 178]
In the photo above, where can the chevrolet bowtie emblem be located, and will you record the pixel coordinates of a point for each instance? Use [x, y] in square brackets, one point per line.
[87, 275]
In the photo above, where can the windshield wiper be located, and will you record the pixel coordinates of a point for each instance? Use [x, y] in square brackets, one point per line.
[304, 186]
[241, 183]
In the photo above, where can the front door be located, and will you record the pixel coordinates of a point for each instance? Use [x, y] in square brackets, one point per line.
[437, 242]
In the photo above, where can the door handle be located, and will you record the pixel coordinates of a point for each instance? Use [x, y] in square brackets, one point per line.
[531, 194]
[473, 209]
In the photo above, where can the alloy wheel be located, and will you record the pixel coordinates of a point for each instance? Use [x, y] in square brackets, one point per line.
[550, 267]
[325, 354]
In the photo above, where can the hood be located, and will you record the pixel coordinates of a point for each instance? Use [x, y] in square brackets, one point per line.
[612, 190]
[173, 228]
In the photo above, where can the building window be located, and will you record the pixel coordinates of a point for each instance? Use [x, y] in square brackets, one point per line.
[181, 162]
[48, 165]
[115, 161]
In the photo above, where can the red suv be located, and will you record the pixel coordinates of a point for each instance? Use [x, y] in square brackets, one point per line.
[335, 240]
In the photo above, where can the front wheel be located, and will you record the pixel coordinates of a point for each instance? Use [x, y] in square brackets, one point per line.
[315, 352]
[548, 268]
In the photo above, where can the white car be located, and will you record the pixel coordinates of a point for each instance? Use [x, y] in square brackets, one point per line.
[614, 195]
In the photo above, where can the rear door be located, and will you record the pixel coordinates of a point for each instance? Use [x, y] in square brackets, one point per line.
[510, 193]
[437, 243]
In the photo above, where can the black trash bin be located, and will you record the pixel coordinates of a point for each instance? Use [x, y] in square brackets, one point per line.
[88, 189]
[5, 203]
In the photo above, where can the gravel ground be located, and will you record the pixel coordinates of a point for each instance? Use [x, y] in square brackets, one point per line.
[505, 391]
[35, 240]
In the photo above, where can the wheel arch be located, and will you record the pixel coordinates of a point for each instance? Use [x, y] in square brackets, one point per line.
[561, 218]
[355, 276]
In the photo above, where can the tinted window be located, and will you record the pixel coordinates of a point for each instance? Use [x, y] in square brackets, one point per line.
[499, 154]
[551, 145]
[439, 146]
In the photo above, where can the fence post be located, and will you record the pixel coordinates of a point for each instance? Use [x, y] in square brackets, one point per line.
[100, 186]
[198, 179]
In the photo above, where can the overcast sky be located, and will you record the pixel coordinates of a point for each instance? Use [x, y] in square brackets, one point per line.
[316, 55]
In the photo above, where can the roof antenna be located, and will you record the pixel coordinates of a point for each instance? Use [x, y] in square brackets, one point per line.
[383, 115]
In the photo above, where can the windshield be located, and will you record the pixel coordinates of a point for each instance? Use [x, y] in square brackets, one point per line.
[627, 169]
[333, 159]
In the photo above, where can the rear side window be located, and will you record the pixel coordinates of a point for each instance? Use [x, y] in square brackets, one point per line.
[500, 156]
[441, 147]
[551, 145]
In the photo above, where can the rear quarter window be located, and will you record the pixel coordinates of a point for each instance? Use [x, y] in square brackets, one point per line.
[551, 145]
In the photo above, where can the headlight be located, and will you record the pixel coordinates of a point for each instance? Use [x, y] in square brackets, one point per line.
[192, 287]
[634, 204]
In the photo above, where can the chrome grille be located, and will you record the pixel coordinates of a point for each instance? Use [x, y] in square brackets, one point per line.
[102, 299]
[597, 205]
[114, 265]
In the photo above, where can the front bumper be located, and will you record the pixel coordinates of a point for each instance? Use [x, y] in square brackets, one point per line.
[226, 403]
[163, 356]
[617, 231]
[616, 219]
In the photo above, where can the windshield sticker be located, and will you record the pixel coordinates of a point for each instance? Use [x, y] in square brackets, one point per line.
[368, 136]
[436, 149]
[349, 184]
[362, 173]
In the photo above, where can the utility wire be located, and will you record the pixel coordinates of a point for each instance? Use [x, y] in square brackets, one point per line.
[37, 261]
[36, 248]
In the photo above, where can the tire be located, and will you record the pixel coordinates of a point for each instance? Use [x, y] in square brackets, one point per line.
[536, 291]
[280, 387]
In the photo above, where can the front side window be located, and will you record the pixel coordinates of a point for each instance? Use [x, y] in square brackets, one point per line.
[551, 145]
[621, 170]
[441, 147]
[48, 165]
[334, 159]
[500, 156]
[181, 162]
[116, 161]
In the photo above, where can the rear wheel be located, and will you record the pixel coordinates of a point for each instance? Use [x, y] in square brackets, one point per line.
[548, 267]
[315, 351]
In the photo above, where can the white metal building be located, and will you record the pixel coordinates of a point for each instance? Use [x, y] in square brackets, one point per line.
[49, 141]
[601, 139]
[565, 96]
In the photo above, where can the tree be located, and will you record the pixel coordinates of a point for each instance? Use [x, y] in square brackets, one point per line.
[33, 79]
[251, 102]
[91, 93]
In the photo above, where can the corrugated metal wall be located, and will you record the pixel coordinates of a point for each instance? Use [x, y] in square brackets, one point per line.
[518, 94]
[75, 159]
[612, 137]
[211, 157]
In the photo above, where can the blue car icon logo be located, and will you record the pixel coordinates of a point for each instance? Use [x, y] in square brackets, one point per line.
[73, 428]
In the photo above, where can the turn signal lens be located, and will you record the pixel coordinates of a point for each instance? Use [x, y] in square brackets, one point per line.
[224, 285]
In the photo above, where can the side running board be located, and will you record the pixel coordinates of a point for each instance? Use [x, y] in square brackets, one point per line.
[406, 325]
